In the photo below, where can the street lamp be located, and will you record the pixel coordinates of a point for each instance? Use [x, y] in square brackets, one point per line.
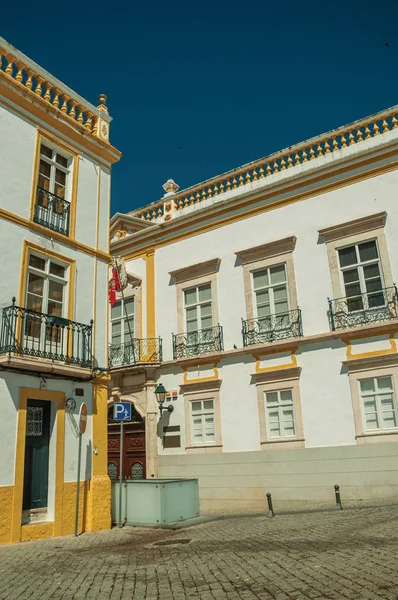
[160, 393]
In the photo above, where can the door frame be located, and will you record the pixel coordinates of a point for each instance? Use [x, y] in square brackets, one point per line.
[26, 394]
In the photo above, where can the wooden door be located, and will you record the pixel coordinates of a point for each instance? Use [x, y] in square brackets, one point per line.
[134, 455]
[35, 492]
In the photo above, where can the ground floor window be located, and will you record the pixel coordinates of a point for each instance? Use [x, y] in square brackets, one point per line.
[280, 414]
[378, 403]
[202, 422]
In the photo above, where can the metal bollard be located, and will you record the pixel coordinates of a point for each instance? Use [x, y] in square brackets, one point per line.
[270, 512]
[338, 499]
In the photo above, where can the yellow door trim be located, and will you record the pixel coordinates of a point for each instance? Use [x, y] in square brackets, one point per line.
[52, 396]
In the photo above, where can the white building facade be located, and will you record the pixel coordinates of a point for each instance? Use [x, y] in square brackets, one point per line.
[268, 297]
[55, 168]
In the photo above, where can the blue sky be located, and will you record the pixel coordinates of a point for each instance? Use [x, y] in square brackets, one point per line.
[229, 82]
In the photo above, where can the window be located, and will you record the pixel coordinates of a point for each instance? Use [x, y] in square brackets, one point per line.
[198, 313]
[202, 422]
[122, 322]
[379, 410]
[361, 275]
[54, 168]
[46, 294]
[270, 291]
[280, 414]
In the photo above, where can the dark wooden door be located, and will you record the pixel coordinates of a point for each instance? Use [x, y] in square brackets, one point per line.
[134, 455]
[35, 492]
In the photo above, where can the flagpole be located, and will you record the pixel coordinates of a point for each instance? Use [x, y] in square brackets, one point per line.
[125, 310]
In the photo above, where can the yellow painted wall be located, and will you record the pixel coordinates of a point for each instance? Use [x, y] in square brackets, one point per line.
[6, 496]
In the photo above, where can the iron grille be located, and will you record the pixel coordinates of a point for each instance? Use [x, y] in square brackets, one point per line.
[140, 350]
[363, 309]
[31, 333]
[195, 343]
[272, 328]
[51, 211]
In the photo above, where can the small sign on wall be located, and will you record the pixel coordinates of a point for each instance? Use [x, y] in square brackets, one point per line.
[171, 395]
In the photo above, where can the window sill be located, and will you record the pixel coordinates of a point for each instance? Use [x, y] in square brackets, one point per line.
[205, 449]
[378, 437]
[283, 444]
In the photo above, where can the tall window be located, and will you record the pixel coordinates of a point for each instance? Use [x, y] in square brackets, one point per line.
[361, 273]
[279, 414]
[203, 422]
[198, 314]
[378, 401]
[45, 293]
[54, 168]
[122, 322]
[270, 290]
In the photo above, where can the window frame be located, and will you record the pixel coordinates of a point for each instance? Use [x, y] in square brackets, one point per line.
[198, 305]
[270, 288]
[202, 390]
[375, 395]
[279, 379]
[47, 276]
[279, 408]
[122, 319]
[54, 165]
[203, 413]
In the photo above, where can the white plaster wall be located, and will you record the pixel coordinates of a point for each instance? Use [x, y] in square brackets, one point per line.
[17, 150]
[302, 219]
[86, 203]
[101, 316]
[103, 232]
[325, 396]
[137, 267]
[10, 384]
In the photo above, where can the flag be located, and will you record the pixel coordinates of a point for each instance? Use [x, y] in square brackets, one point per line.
[115, 286]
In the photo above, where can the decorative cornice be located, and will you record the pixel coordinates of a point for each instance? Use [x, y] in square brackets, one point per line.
[371, 362]
[199, 270]
[278, 375]
[200, 386]
[267, 250]
[368, 223]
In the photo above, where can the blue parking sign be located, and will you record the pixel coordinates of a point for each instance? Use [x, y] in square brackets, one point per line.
[122, 411]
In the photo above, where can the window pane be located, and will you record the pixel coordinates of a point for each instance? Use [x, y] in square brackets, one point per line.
[54, 308]
[204, 293]
[206, 323]
[55, 291]
[374, 285]
[46, 151]
[208, 404]
[286, 395]
[278, 274]
[129, 306]
[57, 270]
[387, 403]
[281, 308]
[350, 276]
[116, 334]
[44, 183]
[347, 256]
[264, 311]
[60, 177]
[371, 271]
[384, 383]
[372, 421]
[353, 289]
[205, 310]
[192, 326]
[368, 251]
[280, 293]
[34, 303]
[196, 406]
[389, 419]
[37, 262]
[272, 397]
[116, 310]
[128, 329]
[367, 385]
[61, 160]
[44, 169]
[260, 279]
[262, 297]
[190, 297]
[35, 284]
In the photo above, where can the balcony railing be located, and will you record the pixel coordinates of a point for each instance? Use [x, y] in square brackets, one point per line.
[30, 333]
[364, 309]
[146, 350]
[272, 328]
[195, 343]
[52, 211]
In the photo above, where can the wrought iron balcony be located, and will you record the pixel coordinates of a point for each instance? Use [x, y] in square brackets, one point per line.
[272, 328]
[52, 211]
[30, 333]
[195, 343]
[364, 309]
[145, 350]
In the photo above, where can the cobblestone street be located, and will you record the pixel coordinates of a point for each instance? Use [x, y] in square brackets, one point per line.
[324, 555]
